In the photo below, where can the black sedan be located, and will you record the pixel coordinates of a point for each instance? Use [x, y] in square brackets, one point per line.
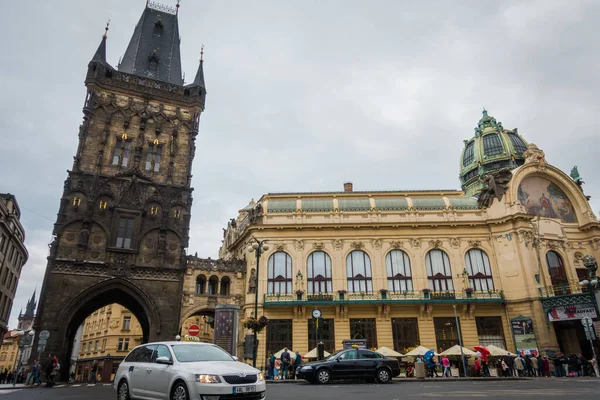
[351, 364]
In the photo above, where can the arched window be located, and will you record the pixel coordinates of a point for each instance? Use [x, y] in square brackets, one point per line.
[213, 284]
[358, 271]
[279, 278]
[439, 273]
[318, 268]
[478, 267]
[200, 284]
[558, 275]
[225, 283]
[399, 275]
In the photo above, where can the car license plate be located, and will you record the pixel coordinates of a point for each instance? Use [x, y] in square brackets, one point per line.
[244, 389]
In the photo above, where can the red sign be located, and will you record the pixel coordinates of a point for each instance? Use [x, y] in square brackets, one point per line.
[194, 330]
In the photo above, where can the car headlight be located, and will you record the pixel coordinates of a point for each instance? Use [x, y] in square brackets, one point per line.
[208, 378]
[261, 377]
[307, 368]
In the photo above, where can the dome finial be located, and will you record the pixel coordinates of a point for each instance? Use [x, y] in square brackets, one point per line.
[106, 29]
[484, 112]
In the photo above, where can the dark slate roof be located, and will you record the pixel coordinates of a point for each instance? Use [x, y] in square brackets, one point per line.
[199, 80]
[153, 51]
[101, 52]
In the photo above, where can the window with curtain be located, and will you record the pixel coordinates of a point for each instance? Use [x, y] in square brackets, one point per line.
[279, 278]
[399, 275]
[439, 274]
[318, 268]
[558, 275]
[478, 267]
[358, 271]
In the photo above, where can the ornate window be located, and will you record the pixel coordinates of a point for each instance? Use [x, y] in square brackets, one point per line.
[326, 334]
[405, 334]
[121, 154]
[318, 267]
[439, 273]
[364, 328]
[469, 154]
[279, 278]
[492, 145]
[478, 267]
[490, 332]
[446, 333]
[126, 323]
[200, 284]
[213, 284]
[558, 275]
[225, 283]
[517, 143]
[153, 158]
[125, 233]
[399, 275]
[358, 271]
[279, 334]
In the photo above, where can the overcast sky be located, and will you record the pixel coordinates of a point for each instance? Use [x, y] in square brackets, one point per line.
[304, 95]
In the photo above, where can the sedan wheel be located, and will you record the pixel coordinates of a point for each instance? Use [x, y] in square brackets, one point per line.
[180, 392]
[383, 375]
[323, 376]
[123, 392]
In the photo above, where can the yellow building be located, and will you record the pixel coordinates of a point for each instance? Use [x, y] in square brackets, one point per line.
[398, 268]
[9, 352]
[107, 337]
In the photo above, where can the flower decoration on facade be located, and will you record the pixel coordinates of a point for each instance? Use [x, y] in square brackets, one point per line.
[342, 291]
[382, 291]
[426, 290]
[254, 325]
[299, 292]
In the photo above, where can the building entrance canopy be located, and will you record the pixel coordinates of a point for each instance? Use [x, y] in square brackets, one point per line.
[577, 311]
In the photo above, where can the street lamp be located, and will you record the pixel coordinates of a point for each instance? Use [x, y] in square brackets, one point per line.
[592, 266]
[258, 247]
[25, 339]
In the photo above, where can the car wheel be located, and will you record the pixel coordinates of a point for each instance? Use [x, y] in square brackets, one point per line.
[180, 392]
[323, 376]
[123, 391]
[383, 375]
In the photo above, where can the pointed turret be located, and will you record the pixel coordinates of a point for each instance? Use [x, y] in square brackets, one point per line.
[100, 54]
[153, 50]
[199, 80]
[31, 305]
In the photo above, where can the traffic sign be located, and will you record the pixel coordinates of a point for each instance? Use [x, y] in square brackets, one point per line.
[44, 335]
[587, 321]
[194, 330]
[42, 341]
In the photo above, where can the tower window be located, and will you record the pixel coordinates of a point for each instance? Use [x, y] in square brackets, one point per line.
[121, 154]
[125, 233]
[469, 154]
[492, 145]
[517, 143]
[153, 158]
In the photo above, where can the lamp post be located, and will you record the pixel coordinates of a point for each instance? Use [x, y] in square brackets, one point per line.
[257, 247]
[462, 356]
[592, 283]
[25, 339]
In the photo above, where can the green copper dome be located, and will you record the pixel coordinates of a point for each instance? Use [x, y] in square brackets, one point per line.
[491, 149]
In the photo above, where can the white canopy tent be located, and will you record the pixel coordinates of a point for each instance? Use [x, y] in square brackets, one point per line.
[498, 351]
[455, 351]
[388, 352]
[418, 351]
[313, 354]
[280, 352]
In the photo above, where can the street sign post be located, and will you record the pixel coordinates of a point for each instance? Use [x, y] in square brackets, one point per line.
[44, 335]
[588, 326]
[587, 322]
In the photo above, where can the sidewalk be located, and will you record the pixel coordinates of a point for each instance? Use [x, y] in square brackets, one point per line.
[412, 380]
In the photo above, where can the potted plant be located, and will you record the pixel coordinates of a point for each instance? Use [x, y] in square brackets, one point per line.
[426, 293]
[469, 291]
[384, 293]
[299, 294]
[342, 293]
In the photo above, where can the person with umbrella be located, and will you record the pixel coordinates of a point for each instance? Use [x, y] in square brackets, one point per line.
[484, 359]
[428, 358]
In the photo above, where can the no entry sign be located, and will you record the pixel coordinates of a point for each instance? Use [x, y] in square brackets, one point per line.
[194, 330]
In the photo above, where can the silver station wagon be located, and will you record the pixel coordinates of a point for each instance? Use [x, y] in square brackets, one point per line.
[186, 370]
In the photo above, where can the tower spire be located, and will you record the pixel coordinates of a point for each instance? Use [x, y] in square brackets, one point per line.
[199, 80]
[100, 54]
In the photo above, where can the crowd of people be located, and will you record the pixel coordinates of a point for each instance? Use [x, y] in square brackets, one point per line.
[543, 366]
[284, 366]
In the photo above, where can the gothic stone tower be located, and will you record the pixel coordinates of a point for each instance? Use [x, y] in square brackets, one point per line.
[124, 216]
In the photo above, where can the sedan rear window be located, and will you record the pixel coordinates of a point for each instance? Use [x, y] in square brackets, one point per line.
[194, 353]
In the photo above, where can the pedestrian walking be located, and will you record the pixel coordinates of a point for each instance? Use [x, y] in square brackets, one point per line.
[505, 370]
[446, 367]
[520, 365]
[276, 369]
[93, 373]
[34, 378]
[271, 366]
[297, 363]
[534, 366]
[477, 367]
[286, 360]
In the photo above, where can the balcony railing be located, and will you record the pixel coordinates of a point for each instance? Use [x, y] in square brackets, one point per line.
[384, 297]
[570, 287]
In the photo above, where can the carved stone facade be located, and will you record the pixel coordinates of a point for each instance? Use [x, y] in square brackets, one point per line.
[123, 221]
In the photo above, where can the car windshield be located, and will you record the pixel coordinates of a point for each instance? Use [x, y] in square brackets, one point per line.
[334, 355]
[195, 353]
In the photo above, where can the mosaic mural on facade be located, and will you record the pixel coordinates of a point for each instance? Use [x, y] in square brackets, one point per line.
[542, 197]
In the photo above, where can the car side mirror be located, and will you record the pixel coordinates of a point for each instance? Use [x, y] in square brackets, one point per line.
[337, 359]
[164, 360]
[235, 358]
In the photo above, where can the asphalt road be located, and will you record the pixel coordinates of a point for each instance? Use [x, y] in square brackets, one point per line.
[551, 388]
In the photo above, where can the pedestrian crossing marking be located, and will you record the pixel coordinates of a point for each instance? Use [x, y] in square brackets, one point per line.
[9, 391]
[76, 385]
[91, 384]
